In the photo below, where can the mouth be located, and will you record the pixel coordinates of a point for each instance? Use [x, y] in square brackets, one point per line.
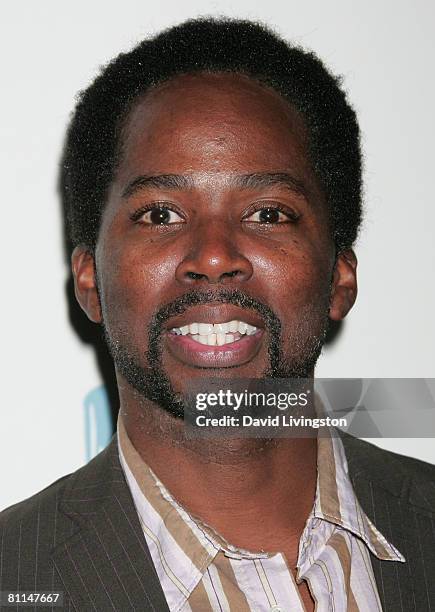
[215, 336]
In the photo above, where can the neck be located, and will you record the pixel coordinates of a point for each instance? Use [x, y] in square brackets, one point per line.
[233, 485]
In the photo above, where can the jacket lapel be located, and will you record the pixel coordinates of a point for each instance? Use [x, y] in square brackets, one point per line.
[105, 563]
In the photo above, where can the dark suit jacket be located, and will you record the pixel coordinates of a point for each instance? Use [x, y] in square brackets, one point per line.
[82, 536]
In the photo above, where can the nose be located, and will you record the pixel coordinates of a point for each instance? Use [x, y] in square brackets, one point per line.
[214, 257]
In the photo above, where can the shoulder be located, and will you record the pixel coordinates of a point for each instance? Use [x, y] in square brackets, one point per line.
[39, 503]
[40, 509]
[29, 531]
[400, 475]
[373, 458]
[32, 531]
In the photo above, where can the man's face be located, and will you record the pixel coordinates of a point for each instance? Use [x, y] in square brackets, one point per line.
[214, 256]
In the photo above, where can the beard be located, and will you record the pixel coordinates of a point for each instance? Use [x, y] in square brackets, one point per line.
[306, 340]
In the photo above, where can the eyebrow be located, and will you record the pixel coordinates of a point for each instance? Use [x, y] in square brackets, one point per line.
[159, 181]
[256, 180]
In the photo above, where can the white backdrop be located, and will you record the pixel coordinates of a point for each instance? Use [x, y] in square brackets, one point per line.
[50, 49]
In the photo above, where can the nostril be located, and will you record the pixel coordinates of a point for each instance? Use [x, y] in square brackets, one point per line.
[195, 275]
[199, 276]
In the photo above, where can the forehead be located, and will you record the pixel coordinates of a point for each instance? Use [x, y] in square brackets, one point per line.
[221, 122]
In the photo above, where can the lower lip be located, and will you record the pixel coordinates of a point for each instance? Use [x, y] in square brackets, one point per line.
[229, 355]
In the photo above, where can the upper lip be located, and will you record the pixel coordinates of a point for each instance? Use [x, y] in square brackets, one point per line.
[215, 313]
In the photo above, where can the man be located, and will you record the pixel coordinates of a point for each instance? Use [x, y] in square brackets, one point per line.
[212, 178]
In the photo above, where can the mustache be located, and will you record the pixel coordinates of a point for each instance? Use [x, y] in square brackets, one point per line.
[194, 298]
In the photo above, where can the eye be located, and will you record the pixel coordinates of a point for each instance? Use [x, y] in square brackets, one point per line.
[156, 214]
[272, 215]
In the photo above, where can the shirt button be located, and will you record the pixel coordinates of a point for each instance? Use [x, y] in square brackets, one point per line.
[276, 609]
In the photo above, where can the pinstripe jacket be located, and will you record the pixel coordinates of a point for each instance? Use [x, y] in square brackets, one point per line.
[81, 536]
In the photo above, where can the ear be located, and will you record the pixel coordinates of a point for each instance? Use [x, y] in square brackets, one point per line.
[85, 283]
[344, 285]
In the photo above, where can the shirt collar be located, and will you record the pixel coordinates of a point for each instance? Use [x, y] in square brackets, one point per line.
[336, 500]
[185, 546]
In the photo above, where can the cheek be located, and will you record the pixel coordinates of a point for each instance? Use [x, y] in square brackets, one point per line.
[133, 281]
[293, 275]
[301, 298]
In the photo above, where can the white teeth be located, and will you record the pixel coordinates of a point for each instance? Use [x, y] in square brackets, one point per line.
[233, 326]
[211, 339]
[217, 333]
[214, 339]
[220, 328]
[242, 327]
[205, 328]
[220, 339]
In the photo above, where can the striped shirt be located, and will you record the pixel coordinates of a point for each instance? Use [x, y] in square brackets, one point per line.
[199, 571]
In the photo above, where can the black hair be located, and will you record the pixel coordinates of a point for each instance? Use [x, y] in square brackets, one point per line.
[92, 146]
